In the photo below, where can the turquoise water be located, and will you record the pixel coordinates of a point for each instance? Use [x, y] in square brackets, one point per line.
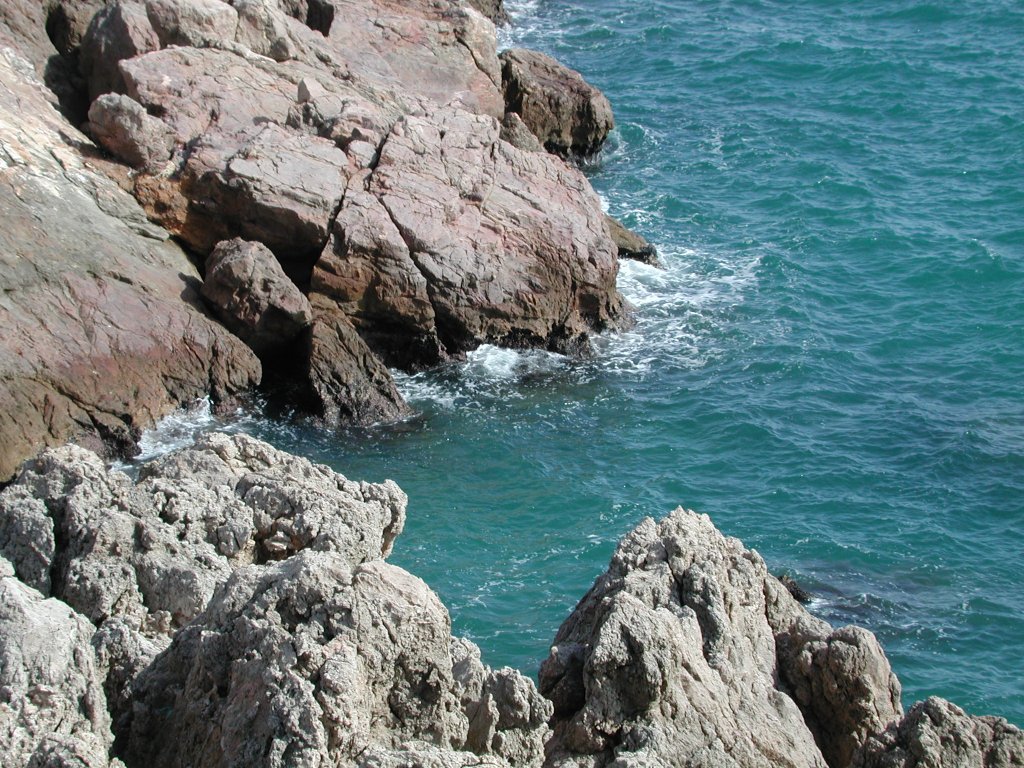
[831, 366]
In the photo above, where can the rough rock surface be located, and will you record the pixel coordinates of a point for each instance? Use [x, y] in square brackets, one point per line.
[457, 238]
[121, 30]
[314, 662]
[673, 658]
[152, 553]
[52, 707]
[563, 110]
[250, 293]
[84, 275]
[630, 245]
[938, 734]
[126, 130]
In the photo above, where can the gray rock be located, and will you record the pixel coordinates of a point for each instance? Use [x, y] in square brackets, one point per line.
[310, 662]
[126, 130]
[492, 9]
[263, 28]
[250, 293]
[938, 734]
[630, 245]
[564, 111]
[152, 553]
[120, 31]
[196, 23]
[52, 708]
[674, 657]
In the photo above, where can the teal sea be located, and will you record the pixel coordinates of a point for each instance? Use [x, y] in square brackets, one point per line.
[831, 365]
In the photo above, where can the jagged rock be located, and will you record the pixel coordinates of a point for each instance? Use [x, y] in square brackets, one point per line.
[263, 28]
[630, 245]
[938, 734]
[192, 22]
[52, 708]
[67, 22]
[84, 275]
[678, 656]
[515, 132]
[309, 662]
[122, 652]
[253, 297]
[456, 238]
[121, 30]
[492, 9]
[346, 382]
[125, 129]
[152, 553]
[563, 110]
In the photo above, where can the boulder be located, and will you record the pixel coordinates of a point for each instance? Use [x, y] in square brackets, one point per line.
[250, 293]
[567, 114]
[315, 662]
[263, 28]
[457, 238]
[345, 382]
[680, 655]
[84, 275]
[938, 734]
[126, 130]
[52, 707]
[120, 31]
[630, 245]
[515, 132]
[196, 23]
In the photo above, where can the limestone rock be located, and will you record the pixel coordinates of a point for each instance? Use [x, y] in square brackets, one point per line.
[253, 297]
[126, 130]
[345, 381]
[52, 708]
[565, 112]
[630, 245]
[120, 31]
[456, 239]
[84, 276]
[308, 662]
[152, 553]
[675, 657]
[938, 734]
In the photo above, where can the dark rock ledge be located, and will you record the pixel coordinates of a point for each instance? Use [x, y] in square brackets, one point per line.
[351, 178]
[234, 607]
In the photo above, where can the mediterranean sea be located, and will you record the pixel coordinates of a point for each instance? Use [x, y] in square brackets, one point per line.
[831, 364]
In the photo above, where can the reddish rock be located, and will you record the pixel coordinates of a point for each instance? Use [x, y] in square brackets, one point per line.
[563, 110]
[250, 293]
[124, 129]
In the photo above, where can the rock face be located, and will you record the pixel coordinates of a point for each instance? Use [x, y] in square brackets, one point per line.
[937, 734]
[250, 293]
[680, 653]
[84, 276]
[124, 129]
[630, 245]
[564, 111]
[52, 708]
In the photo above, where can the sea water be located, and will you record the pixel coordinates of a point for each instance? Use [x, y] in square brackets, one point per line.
[831, 364]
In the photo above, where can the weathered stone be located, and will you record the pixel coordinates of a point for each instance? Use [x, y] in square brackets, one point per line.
[311, 662]
[151, 554]
[263, 28]
[937, 734]
[630, 245]
[346, 381]
[250, 293]
[126, 130]
[515, 132]
[120, 31]
[84, 276]
[678, 653]
[492, 9]
[457, 238]
[565, 112]
[52, 708]
[192, 22]
[67, 22]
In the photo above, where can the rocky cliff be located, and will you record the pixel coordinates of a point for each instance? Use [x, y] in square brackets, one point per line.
[337, 172]
[234, 607]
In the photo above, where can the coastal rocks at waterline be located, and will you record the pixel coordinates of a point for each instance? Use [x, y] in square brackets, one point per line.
[630, 245]
[566, 113]
[686, 651]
